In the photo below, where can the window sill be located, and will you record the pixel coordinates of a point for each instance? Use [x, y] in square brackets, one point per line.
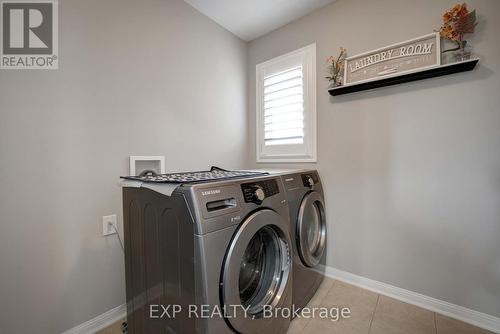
[286, 160]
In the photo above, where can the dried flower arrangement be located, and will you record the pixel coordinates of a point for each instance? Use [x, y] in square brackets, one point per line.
[457, 22]
[336, 68]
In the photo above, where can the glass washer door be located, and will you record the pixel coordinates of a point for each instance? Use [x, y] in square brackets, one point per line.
[311, 229]
[261, 270]
[257, 268]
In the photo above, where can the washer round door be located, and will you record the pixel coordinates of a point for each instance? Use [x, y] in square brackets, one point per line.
[256, 271]
[311, 229]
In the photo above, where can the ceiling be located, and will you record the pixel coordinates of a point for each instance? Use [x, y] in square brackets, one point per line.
[249, 19]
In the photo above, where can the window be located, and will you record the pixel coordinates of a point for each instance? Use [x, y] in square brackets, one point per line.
[286, 107]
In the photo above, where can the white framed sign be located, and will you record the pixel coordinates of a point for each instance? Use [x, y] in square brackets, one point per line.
[411, 56]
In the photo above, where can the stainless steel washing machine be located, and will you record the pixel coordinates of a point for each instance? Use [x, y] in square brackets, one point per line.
[308, 226]
[218, 245]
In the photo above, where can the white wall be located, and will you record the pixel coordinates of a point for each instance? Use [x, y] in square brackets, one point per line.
[412, 172]
[136, 78]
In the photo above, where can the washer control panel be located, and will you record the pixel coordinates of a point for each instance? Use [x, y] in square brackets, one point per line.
[257, 192]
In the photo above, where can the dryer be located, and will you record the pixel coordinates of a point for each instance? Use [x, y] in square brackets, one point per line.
[215, 245]
[308, 229]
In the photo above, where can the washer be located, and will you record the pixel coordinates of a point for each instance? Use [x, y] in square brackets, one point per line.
[308, 227]
[221, 245]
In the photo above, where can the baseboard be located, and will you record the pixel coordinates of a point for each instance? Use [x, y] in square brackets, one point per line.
[461, 313]
[100, 322]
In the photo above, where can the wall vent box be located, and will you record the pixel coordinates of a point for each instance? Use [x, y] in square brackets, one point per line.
[140, 163]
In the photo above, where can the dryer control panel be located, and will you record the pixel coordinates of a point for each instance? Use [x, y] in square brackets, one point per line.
[256, 192]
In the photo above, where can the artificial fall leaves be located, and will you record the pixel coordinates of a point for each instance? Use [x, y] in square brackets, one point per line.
[457, 22]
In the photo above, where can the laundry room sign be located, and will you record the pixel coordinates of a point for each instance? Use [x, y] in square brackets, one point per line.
[405, 57]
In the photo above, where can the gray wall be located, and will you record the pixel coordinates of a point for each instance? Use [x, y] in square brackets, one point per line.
[136, 78]
[412, 172]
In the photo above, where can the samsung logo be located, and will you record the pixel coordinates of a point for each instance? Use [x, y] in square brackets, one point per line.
[210, 192]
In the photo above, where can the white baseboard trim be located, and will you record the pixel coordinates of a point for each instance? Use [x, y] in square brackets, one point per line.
[461, 313]
[100, 322]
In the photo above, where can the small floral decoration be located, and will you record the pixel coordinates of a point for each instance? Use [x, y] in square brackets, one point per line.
[457, 22]
[336, 67]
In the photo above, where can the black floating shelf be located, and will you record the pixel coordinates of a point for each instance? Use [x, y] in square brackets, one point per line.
[438, 71]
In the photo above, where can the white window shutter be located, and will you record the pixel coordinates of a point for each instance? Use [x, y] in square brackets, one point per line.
[286, 107]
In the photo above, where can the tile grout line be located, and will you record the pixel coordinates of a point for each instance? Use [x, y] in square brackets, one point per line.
[373, 315]
[333, 284]
[435, 323]
[326, 293]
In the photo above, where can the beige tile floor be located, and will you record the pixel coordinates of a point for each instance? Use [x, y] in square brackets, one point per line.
[370, 314]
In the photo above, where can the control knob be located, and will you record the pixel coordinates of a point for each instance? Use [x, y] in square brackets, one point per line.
[259, 194]
[310, 181]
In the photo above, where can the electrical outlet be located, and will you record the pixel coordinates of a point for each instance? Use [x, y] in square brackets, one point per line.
[108, 222]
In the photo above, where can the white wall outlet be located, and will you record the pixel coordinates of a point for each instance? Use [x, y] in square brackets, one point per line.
[108, 222]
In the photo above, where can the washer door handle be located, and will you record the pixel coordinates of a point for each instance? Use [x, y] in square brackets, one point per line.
[285, 263]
